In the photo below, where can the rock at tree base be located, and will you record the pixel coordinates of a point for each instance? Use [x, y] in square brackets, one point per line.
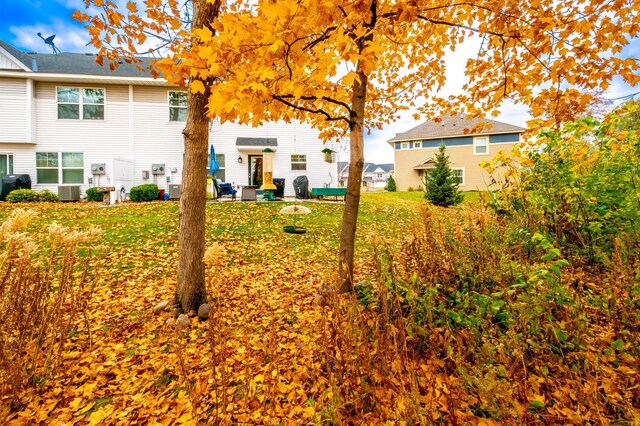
[160, 307]
[203, 311]
[183, 321]
[170, 322]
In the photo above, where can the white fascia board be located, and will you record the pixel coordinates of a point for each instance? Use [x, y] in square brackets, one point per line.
[82, 78]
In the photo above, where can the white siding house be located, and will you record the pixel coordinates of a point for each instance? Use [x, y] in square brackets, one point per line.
[62, 114]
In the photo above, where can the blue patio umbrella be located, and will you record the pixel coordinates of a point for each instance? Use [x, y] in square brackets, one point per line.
[213, 164]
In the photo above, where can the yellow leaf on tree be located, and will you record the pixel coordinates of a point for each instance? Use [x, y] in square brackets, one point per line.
[196, 86]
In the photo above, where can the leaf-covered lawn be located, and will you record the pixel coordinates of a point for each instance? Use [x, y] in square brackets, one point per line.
[261, 359]
[450, 325]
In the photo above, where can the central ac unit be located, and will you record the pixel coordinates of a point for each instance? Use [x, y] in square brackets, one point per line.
[157, 169]
[174, 191]
[69, 193]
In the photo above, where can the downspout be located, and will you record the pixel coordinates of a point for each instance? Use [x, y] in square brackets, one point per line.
[30, 106]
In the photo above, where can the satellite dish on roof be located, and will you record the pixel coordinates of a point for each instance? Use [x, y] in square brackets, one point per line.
[49, 42]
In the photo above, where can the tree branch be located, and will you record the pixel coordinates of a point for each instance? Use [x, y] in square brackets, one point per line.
[328, 117]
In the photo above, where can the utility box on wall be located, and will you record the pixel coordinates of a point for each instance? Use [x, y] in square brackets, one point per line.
[157, 169]
[174, 191]
[98, 169]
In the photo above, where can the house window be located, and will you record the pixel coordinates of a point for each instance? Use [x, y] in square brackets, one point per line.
[417, 145]
[298, 162]
[459, 175]
[378, 175]
[220, 174]
[177, 106]
[405, 145]
[6, 164]
[56, 167]
[481, 145]
[76, 103]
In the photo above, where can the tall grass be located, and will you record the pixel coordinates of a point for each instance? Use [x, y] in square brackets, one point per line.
[526, 336]
[45, 285]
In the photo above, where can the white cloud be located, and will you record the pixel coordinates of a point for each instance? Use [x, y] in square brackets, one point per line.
[69, 38]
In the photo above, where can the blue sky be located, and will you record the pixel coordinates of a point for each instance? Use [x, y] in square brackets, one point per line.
[22, 20]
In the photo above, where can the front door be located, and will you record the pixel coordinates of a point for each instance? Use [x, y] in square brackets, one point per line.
[255, 170]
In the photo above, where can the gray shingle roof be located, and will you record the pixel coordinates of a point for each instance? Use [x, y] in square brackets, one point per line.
[75, 63]
[388, 167]
[256, 142]
[367, 168]
[452, 126]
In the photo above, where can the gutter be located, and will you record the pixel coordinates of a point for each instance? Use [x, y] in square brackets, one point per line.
[84, 78]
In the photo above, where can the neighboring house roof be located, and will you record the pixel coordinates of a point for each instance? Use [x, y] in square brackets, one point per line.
[427, 164]
[452, 126]
[343, 167]
[75, 63]
[387, 167]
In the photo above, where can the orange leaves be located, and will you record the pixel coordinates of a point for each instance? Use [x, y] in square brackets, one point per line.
[196, 86]
[132, 7]
[79, 16]
[203, 34]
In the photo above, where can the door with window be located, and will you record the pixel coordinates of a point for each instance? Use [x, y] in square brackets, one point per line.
[255, 170]
[6, 164]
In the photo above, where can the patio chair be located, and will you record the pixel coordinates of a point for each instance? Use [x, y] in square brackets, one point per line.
[225, 188]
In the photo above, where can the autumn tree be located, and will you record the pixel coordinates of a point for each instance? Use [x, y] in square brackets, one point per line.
[173, 31]
[349, 67]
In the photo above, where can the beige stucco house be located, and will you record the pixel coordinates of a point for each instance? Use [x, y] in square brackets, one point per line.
[468, 142]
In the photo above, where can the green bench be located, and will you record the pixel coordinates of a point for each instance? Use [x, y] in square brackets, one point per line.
[320, 193]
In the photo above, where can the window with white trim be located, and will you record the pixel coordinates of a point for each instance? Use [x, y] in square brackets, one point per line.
[220, 174]
[481, 145]
[417, 145]
[6, 164]
[76, 103]
[177, 106]
[405, 145]
[298, 162]
[59, 167]
[459, 175]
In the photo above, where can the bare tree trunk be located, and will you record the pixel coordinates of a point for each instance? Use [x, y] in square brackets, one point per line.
[354, 183]
[190, 282]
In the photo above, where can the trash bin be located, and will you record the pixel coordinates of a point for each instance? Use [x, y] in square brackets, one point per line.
[11, 182]
[161, 194]
[279, 183]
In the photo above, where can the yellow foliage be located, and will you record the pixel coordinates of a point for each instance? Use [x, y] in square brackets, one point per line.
[196, 86]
